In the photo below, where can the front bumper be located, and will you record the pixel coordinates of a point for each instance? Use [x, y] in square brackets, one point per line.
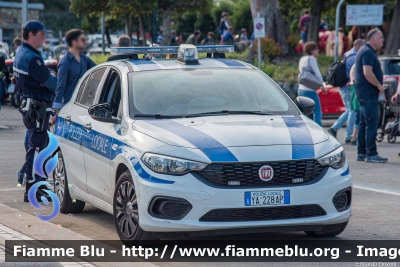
[204, 198]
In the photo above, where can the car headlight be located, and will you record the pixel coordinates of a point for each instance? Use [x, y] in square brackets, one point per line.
[170, 165]
[336, 159]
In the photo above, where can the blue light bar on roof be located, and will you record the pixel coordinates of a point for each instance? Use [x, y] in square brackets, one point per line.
[215, 48]
[144, 50]
[170, 49]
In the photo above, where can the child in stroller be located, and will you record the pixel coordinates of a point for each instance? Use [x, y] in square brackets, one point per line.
[389, 112]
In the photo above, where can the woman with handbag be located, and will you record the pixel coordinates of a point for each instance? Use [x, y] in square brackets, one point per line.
[310, 78]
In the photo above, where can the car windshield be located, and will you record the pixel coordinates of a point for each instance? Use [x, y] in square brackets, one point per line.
[197, 91]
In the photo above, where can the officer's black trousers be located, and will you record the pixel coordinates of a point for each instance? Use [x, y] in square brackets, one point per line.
[36, 139]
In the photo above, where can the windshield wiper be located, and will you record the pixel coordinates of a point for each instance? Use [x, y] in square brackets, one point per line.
[227, 112]
[157, 116]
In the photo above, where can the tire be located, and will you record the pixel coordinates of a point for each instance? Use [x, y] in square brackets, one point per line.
[391, 138]
[15, 98]
[337, 229]
[67, 204]
[126, 214]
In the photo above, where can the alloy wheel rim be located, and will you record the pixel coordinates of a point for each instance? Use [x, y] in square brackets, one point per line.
[127, 209]
[59, 179]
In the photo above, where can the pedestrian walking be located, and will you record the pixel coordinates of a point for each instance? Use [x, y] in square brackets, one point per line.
[70, 69]
[310, 61]
[349, 115]
[224, 24]
[304, 24]
[368, 82]
[37, 84]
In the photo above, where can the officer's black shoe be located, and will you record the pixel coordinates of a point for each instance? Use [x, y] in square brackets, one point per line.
[26, 199]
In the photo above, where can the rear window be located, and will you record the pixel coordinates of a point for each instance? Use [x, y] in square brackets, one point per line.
[393, 67]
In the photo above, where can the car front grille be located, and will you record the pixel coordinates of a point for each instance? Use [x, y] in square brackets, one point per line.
[245, 175]
[263, 214]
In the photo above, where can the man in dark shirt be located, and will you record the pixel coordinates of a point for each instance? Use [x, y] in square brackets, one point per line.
[368, 83]
[228, 36]
[304, 24]
[70, 69]
[123, 41]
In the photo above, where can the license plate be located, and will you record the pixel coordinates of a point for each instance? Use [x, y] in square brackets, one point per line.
[267, 198]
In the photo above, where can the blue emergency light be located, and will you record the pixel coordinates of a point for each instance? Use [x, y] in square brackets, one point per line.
[187, 53]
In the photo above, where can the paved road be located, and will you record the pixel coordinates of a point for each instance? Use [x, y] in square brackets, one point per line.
[375, 209]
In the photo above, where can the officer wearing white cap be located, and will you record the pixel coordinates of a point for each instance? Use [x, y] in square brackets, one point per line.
[37, 84]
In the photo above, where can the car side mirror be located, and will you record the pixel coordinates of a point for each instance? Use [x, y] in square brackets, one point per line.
[305, 104]
[101, 112]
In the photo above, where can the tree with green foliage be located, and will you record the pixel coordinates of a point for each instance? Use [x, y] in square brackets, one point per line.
[393, 42]
[169, 6]
[274, 25]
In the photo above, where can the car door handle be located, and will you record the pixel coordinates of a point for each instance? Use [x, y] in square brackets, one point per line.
[114, 146]
[88, 126]
[68, 118]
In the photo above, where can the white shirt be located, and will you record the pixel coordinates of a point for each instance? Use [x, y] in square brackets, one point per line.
[304, 61]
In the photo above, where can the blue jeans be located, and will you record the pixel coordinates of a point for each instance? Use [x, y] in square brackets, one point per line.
[368, 126]
[303, 37]
[317, 111]
[349, 115]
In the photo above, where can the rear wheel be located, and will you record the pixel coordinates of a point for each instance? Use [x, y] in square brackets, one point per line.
[67, 204]
[126, 213]
[329, 230]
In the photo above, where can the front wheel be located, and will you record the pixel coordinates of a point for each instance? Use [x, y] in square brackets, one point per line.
[329, 230]
[126, 213]
[379, 136]
[391, 138]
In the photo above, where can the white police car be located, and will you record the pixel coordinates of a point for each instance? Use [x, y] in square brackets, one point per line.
[197, 146]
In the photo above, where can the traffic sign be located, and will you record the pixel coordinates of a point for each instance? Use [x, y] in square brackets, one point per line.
[259, 28]
[364, 15]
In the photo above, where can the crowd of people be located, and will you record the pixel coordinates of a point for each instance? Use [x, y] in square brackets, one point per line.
[327, 38]
[360, 95]
[225, 31]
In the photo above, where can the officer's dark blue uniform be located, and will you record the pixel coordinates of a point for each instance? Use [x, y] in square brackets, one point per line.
[35, 81]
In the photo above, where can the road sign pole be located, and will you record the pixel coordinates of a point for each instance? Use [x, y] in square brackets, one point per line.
[337, 28]
[259, 47]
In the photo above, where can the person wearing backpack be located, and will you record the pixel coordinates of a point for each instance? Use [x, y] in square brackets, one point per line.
[304, 24]
[345, 93]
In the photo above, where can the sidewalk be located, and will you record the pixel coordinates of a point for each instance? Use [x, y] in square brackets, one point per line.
[17, 225]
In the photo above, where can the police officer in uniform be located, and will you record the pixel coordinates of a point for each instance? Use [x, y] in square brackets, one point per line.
[37, 84]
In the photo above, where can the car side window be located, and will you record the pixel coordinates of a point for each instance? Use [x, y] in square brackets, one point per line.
[90, 89]
[111, 92]
[81, 88]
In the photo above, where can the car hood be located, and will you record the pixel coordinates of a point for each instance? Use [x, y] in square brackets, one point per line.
[233, 131]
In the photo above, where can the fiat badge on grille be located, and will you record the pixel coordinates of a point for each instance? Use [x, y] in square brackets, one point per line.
[266, 173]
